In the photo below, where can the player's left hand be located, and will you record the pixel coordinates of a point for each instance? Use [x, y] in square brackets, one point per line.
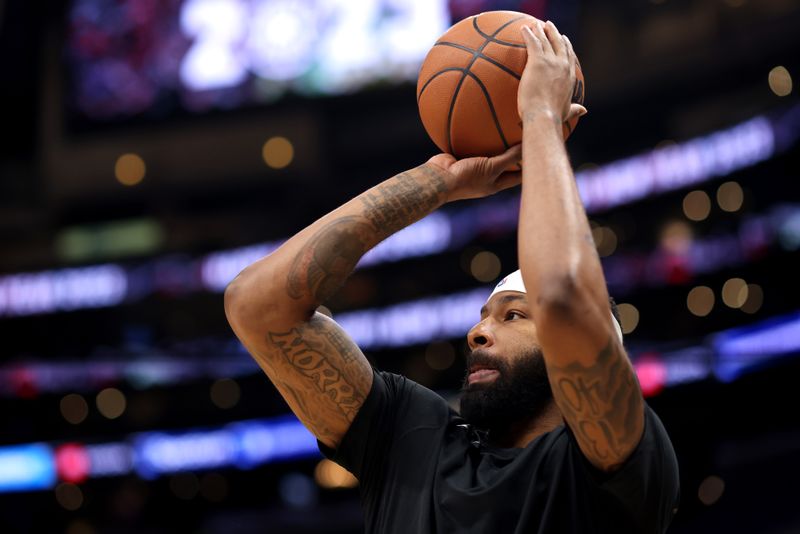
[548, 80]
[480, 176]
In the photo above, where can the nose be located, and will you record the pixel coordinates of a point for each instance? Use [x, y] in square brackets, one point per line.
[480, 336]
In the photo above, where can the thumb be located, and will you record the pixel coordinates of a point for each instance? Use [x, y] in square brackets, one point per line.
[576, 111]
[504, 161]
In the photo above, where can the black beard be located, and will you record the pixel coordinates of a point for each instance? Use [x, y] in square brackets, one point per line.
[520, 392]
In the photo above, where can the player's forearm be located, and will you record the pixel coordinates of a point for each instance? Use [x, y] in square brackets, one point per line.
[304, 272]
[556, 251]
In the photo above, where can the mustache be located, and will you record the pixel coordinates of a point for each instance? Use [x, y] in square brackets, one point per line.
[483, 358]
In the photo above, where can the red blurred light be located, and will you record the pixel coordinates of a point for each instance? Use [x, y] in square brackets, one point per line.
[72, 463]
[652, 374]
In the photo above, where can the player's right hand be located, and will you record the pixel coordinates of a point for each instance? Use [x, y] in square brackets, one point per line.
[480, 176]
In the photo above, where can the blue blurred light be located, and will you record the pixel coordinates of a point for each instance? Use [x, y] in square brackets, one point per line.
[415, 322]
[749, 347]
[677, 166]
[219, 268]
[67, 289]
[298, 490]
[610, 185]
[244, 444]
[274, 440]
[27, 467]
[109, 459]
[156, 453]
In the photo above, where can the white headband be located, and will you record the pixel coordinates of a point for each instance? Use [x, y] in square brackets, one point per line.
[513, 282]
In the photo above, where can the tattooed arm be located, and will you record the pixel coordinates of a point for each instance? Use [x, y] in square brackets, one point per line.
[317, 368]
[593, 381]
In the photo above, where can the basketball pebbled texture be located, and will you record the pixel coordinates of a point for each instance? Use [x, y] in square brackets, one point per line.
[467, 85]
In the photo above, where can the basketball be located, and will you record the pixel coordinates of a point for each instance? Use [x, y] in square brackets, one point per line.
[467, 85]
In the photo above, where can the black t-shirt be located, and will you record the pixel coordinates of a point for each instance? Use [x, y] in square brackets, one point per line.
[422, 469]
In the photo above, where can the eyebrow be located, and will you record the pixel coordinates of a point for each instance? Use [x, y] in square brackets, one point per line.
[503, 300]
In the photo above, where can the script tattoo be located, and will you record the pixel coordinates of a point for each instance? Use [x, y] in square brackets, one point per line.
[602, 404]
[328, 258]
[331, 254]
[312, 363]
[341, 345]
[397, 203]
[316, 424]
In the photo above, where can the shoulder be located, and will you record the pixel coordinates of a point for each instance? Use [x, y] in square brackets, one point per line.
[409, 398]
[647, 484]
[653, 453]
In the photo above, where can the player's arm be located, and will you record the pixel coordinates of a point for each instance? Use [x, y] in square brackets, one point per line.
[316, 367]
[593, 381]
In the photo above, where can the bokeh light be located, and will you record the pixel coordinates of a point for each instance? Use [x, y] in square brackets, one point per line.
[754, 300]
[629, 317]
[225, 393]
[111, 403]
[696, 205]
[185, 486]
[700, 301]
[214, 487]
[440, 355]
[298, 491]
[780, 81]
[605, 239]
[69, 496]
[734, 292]
[278, 152]
[74, 408]
[676, 237]
[129, 169]
[331, 475]
[79, 526]
[485, 266]
[730, 196]
[710, 490]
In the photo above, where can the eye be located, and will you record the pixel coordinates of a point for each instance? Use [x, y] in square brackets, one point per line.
[512, 315]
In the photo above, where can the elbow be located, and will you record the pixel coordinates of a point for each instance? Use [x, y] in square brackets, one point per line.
[246, 308]
[561, 295]
[257, 304]
[232, 301]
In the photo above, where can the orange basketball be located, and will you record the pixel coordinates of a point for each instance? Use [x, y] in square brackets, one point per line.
[467, 86]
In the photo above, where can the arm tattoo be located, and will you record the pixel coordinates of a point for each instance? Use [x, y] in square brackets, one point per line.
[397, 203]
[311, 361]
[316, 424]
[330, 255]
[602, 404]
[328, 258]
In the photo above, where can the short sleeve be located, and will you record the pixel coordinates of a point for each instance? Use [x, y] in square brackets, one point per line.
[647, 485]
[394, 406]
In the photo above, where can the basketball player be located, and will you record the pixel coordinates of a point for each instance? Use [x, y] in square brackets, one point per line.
[553, 434]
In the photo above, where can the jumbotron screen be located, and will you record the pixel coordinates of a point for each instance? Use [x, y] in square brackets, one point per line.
[140, 58]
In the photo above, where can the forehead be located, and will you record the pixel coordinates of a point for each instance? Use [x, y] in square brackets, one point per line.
[502, 298]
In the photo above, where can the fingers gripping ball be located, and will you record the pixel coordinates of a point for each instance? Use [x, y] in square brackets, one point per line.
[467, 86]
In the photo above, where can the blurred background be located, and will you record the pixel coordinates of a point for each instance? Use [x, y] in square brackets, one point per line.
[153, 148]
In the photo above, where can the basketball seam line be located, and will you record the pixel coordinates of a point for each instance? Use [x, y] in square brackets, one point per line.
[491, 108]
[480, 55]
[449, 69]
[491, 37]
[464, 75]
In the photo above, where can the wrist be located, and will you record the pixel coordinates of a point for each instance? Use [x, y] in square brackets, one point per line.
[446, 181]
[540, 114]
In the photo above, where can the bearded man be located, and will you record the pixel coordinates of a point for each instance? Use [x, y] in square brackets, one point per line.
[553, 435]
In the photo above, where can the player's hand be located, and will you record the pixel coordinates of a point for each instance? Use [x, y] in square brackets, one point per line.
[548, 80]
[482, 176]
